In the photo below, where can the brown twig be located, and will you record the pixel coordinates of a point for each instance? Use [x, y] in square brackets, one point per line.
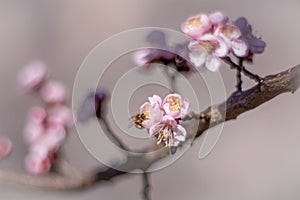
[236, 104]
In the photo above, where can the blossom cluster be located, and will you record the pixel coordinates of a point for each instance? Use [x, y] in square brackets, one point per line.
[163, 53]
[45, 129]
[162, 118]
[214, 36]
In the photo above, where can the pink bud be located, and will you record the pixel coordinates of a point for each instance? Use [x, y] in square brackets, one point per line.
[5, 147]
[32, 76]
[54, 92]
[37, 115]
[60, 115]
[35, 164]
[32, 132]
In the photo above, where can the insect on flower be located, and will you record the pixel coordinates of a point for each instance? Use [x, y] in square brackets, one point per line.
[138, 119]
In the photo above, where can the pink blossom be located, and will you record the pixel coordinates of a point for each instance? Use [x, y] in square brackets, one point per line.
[60, 115]
[37, 115]
[231, 34]
[5, 147]
[35, 164]
[196, 26]
[151, 111]
[168, 131]
[207, 52]
[175, 106]
[54, 92]
[217, 18]
[33, 131]
[32, 76]
[49, 142]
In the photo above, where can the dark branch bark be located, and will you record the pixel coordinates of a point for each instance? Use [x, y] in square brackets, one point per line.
[238, 103]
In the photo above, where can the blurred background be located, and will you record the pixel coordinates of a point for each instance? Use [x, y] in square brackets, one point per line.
[257, 156]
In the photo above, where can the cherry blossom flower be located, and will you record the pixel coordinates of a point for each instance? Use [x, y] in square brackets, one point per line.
[151, 111]
[5, 147]
[196, 26]
[231, 34]
[207, 52]
[32, 76]
[175, 106]
[255, 45]
[54, 92]
[168, 131]
[217, 18]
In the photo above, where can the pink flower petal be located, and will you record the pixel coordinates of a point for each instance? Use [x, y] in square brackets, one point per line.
[196, 26]
[35, 164]
[5, 147]
[54, 92]
[32, 76]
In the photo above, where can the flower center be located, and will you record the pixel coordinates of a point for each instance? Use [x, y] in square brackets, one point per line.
[174, 103]
[208, 45]
[193, 22]
[165, 135]
[230, 31]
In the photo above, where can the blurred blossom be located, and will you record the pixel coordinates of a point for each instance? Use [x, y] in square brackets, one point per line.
[32, 76]
[54, 92]
[49, 142]
[35, 164]
[5, 147]
[217, 18]
[168, 131]
[256, 45]
[157, 39]
[37, 115]
[92, 106]
[60, 115]
[32, 132]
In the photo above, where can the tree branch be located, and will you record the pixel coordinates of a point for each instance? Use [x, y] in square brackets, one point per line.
[238, 103]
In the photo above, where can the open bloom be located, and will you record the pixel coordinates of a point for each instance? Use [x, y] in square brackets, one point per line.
[231, 34]
[151, 111]
[196, 26]
[175, 106]
[207, 52]
[255, 45]
[168, 131]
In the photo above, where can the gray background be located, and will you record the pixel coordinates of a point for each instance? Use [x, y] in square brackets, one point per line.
[257, 156]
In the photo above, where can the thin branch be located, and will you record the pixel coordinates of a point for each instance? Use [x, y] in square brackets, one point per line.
[241, 68]
[238, 103]
[171, 78]
[146, 186]
[111, 133]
